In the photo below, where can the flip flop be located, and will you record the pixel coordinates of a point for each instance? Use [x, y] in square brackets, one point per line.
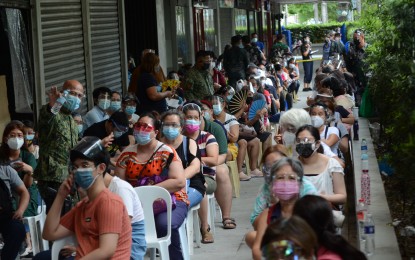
[229, 223]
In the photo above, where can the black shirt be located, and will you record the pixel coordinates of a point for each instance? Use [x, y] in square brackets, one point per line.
[98, 130]
[145, 81]
[198, 180]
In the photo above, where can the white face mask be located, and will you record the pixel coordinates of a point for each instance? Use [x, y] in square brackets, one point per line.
[15, 143]
[288, 138]
[317, 121]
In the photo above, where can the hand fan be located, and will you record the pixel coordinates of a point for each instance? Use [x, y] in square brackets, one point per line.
[256, 105]
[237, 101]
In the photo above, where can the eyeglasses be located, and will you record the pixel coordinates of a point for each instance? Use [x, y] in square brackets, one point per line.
[286, 177]
[191, 106]
[75, 94]
[305, 140]
[143, 126]
[283, 249]
[171, 125]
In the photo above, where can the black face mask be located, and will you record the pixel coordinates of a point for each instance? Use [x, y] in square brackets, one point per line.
[356, 42]
[206, 66]
[304, 150]
[249, 100]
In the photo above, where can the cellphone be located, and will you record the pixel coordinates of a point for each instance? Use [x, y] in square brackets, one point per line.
[15, 163]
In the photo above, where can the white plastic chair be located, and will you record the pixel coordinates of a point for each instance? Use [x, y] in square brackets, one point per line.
[59, 244]
[193, 228]
[147, 195]
[36, 224]
[212, 211]
[183, 241]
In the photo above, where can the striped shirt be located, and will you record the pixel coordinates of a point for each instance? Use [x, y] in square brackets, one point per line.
[203, 141]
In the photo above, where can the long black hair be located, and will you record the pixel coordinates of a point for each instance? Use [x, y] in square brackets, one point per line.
[317, 212]
[314, 132]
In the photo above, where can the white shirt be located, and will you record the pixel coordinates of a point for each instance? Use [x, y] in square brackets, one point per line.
[129, 197]
[331, 130]
[230, 120]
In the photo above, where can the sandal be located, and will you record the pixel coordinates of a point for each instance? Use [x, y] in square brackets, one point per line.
[207, 237]
[229, 223]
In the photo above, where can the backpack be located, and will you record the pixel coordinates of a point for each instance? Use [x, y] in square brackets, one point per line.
[6, 206]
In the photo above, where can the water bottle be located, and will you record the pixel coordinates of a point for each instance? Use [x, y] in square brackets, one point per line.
[59, 103]
[361, 211]
[365, 180]
[363, 146]
[369, 235]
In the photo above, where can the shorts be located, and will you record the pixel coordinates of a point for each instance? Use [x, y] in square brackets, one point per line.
[233, 149]
[211, 184]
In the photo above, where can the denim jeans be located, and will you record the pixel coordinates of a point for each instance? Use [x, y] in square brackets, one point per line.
[139, 245]
[308, 71]
[178, 215]
[194, 196]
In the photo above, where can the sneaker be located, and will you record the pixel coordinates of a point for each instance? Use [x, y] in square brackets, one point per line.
[243, 177]
[256, 173]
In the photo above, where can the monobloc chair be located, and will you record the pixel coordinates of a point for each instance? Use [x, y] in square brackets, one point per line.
[36, 224]
[59, 244]
[147, 195]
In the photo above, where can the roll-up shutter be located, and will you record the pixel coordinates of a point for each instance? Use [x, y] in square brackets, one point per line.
[63, 44]
[105, 44]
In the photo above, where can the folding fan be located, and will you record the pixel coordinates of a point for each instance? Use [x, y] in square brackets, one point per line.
[256, 105]
[237, 101]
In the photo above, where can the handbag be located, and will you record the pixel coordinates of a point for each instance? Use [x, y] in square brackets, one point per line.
[246, 132]
[159, 205]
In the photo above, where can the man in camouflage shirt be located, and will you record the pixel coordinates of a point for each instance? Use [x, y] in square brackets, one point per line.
[58, 134]
[198, 82]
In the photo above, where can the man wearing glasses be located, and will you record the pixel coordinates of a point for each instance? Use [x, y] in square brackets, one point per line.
[58, 133]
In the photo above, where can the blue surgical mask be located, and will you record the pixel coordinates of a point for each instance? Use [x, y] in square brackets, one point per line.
[80, 128]
[30, 137]
[158, 88]
[241, 46]
[142, 137]
[84, 178]
[129, 110]
[72, 103]
[104, 104]
[171, 133]
[207, 116]
[115, 105]
[217, 109]
[118, 134]
[229, 97]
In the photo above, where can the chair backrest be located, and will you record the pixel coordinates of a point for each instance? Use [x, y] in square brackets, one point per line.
[60, 243]
[147, 195]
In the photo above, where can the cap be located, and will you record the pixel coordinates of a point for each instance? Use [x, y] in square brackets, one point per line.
[129, 97]
[119, 119]
[90, 147]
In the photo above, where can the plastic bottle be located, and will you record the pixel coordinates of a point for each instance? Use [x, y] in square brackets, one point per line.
[363, 146]
[59, 103]
[365, 180]
[361, 211]
[356, 130]
[369, 235]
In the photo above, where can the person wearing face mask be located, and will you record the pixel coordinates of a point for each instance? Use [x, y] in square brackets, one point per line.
[255, 40]
[102, 102]
[147, 86]
[237, 148]
[79, 123]
[115, 128]
[57, 134]
[115, 104]
[29, 138]
[330, 135]
[307, 65]
[11, 153]
[255, 55]
[151, 162]
[286, 177]
[198, 82]
[324, 172]
[219, 79]
[235, 61]
[106, 232]
[209, 153]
